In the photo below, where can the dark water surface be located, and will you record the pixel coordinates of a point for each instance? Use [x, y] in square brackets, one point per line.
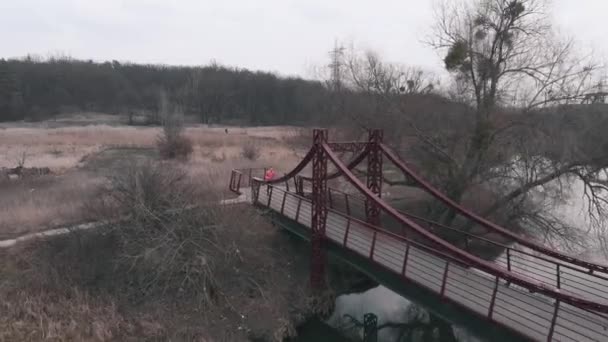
[315, 330]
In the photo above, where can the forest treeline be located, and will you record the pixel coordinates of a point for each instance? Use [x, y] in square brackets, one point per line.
[35, 89]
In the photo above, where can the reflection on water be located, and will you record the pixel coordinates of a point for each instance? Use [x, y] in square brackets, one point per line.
[390, 307]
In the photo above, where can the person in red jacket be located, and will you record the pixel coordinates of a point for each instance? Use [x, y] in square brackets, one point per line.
[268, 176]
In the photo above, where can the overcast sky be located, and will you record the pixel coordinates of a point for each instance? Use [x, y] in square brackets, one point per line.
[285, 36]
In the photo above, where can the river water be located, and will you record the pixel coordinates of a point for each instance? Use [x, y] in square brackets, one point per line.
[391, 307]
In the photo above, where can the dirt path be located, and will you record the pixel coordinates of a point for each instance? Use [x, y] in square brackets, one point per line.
[243, 198]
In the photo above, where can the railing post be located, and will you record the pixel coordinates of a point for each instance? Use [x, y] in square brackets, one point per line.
[299, 183]
[231, 185]
[269, 188]
[553, 320]
[346, 233]
[298, 208]
[371, 250]
[255, 191]
[238, 188]
[445, 278]
[250, 177]
[407, 252]
[331, 202]
[374, 175]
[491, 309]
[283, 203]
[319, 209]
[508, 263]
[347, 204]
[559, 281]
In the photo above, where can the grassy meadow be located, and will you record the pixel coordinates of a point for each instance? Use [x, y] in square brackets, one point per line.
[82, 151]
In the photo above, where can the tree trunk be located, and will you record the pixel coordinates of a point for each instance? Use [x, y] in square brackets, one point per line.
[479, 144]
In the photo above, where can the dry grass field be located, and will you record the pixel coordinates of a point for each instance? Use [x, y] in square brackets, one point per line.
[210, 284]
[81, 156]
[199, 275]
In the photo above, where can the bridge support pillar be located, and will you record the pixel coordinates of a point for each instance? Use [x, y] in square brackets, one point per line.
[374, 175]
[370, 328]
[319, 210]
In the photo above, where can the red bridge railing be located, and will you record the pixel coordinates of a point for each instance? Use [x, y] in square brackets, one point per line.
[408, 172]
[461, 254]
[564, 276]
[503, 232]
[534, 315]
[241, 178]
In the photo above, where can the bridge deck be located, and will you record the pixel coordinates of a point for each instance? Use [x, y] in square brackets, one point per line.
[537, 267]
[507, 305]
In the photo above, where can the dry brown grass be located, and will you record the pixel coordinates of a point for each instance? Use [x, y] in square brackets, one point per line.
[75, 316]
[45, 202]
[200, 275]
[57, 200]
[62, 148]
[77, 287]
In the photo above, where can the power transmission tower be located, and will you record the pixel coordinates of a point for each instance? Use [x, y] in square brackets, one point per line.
[336, 81]
[337, 55]
[599, 96]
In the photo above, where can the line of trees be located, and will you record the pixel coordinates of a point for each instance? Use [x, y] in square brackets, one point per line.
[36, 89]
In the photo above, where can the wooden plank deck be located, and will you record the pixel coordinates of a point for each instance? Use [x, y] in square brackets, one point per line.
[514, 307]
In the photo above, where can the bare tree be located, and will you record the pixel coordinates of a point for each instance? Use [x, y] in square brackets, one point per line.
[506, 51]
[367, 72]
[512, 71]
[378, 89]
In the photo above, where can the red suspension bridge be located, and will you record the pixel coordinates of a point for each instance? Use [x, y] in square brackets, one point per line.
[530, 292]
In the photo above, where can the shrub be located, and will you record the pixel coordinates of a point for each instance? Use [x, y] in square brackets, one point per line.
[218, 158]
[174, 147]
[250, 151]
[172, 144]
[164, 244]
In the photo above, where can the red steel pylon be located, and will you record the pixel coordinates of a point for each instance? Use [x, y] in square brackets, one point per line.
[319, 209]
[374, 175]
